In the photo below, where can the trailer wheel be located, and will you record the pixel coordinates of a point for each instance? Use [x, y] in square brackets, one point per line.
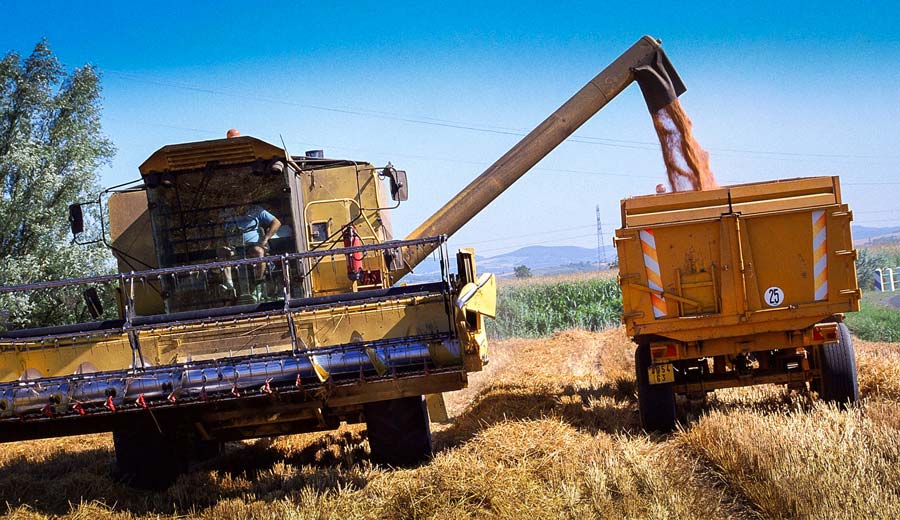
[656, 402]
[399, 431]
[839, 382]
[147, 459]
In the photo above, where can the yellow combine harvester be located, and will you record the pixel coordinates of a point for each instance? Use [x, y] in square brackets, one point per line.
[257, 296]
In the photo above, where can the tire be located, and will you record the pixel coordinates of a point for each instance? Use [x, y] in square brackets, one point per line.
[656, 402]
[147, 459]
[839, 382]
[399, 431]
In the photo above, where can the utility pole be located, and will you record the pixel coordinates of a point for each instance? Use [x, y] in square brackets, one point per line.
[600, 255]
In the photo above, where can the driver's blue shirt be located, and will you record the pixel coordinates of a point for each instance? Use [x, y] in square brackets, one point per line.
[249, 225]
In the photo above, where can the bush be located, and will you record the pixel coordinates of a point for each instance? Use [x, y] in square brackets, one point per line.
[875, 322]
[871, 258]
[868, 261]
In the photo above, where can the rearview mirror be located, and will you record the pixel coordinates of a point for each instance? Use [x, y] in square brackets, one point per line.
[399, 187]
[76, 219]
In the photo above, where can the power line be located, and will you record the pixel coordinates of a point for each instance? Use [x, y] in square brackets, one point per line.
[460, 160]
[465, 161]
[402, 154]
[578, 138]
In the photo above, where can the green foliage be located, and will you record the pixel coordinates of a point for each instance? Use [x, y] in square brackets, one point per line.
[540, 309]
[50, 149]
[874, 321]
[871, 258]
[522, 271]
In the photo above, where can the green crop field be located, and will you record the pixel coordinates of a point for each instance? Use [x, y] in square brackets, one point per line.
[544, 306]
[876, 319]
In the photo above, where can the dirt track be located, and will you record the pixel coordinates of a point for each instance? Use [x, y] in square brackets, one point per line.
[549, 430]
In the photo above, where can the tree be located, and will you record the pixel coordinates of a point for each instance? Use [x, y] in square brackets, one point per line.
[522, 271]
[51, 147]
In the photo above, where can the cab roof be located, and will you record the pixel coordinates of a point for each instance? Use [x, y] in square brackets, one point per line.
[224, 152]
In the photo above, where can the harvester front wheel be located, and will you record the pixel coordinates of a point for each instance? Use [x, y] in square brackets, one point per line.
[148, 459]
[839, 382]
[656, 402]
[399, 431]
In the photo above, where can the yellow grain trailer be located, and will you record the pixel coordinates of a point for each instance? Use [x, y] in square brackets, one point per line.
[737, 286]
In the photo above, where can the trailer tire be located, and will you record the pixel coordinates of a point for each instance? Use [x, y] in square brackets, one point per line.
[839, 383]
[399, 431]
[656, 402]
[147, 459]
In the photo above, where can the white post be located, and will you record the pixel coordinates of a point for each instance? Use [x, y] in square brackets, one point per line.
[879, 280]
[890, 276]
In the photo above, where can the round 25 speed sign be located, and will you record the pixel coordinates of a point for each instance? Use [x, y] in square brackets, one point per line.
[773, 296]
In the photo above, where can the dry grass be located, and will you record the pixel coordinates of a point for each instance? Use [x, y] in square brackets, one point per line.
[548, 430]
[878, 364]
[818, 463]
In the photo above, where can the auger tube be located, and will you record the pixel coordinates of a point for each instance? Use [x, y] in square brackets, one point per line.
[646, 54]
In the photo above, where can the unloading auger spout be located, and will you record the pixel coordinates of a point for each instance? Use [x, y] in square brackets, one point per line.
[645, 62]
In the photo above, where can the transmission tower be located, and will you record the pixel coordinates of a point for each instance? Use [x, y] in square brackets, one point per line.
[600, 256]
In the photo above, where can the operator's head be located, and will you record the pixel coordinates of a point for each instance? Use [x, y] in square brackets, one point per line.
[233, 132]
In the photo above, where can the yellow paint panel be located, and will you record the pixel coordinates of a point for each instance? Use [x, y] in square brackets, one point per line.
[64, 360]
[480, 297]
[749, 272]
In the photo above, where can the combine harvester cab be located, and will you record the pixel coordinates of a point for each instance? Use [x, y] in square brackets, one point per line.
[737, 286]
[258, 295]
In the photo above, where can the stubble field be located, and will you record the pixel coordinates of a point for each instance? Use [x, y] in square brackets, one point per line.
[549, 430]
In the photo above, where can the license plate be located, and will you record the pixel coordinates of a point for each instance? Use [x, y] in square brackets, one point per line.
[659, 374]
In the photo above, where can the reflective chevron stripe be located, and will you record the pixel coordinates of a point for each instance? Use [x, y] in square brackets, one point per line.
[820, 256]
[651, 264]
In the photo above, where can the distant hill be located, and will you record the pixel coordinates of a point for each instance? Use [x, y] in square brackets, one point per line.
[865, 234]
[542, 260]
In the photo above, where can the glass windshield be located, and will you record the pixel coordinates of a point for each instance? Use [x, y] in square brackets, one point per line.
[215, 215]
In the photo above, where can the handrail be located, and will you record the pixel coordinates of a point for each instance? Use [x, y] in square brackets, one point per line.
[193, 268]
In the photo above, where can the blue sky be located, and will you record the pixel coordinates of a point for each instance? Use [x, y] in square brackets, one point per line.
[774, 91]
